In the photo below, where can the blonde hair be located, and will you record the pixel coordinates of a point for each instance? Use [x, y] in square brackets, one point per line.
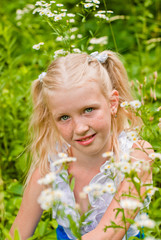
[73, 70]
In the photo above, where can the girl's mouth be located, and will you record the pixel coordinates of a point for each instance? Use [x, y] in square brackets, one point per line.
[86, 140]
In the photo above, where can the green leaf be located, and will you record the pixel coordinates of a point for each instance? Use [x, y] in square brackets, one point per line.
[17, 235]
[42, 227]
[54, 223]
[15, 188]
[133, 238]
[72, 184]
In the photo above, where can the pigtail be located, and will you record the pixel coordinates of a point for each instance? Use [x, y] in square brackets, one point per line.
[125, 118]
[41, 131]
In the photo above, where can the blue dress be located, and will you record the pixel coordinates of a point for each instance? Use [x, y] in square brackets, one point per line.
[61, 235]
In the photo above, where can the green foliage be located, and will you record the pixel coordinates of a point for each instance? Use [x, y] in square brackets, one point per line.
[133, 30]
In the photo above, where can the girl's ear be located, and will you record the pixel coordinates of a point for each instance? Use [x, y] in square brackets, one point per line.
[114, 101]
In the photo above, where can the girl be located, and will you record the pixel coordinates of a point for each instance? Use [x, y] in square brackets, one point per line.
[77, 111]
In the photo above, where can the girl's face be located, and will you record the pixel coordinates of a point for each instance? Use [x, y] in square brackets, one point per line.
[83, 117]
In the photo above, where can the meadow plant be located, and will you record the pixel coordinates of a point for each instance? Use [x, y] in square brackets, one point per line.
[68, 37]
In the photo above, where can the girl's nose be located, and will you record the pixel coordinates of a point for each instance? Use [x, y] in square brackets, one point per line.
[80, 127]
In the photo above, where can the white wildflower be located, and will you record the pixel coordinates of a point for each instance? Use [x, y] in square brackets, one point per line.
[57, 18]
[158, 109]
[46, 199]
[107, 154]
[137, 180]
[145, 166]
[63, 160]
[101, 11]
[135, 104]
[39, 3]
[43, 12]
[72, 37]
[136, 166]
[100, 15]
[150, 190]
[73, 29]
[90, 48]
[36, 10]
[58, 194]
[76, 50]
[48, 179]
[62, 155]
[59, 52]
[63, 14]
[124, 104]
[59, 5]
[50, 14]
[133, 136]
[124, 167]
[36, 47]
[59, 39]
[88, 5]
[64, 10]
[71, 20]
[108, 167]
[70, 15]
[109, 11]
[52, 2]
[130, 204]
[96, 1]
[109, 187]
[125, 157]
[87, 189]
[144, 221]
[47, 5]
[79, 36]
[101, 40]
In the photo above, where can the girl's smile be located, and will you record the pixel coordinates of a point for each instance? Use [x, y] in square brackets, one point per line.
[83, 117]
[86, 140]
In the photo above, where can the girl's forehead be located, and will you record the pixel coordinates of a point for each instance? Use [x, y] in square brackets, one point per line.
[89, 93]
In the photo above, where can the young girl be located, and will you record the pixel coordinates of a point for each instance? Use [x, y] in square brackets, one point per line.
[77, 111]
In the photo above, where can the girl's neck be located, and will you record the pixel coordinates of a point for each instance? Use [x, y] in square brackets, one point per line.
[86, 161]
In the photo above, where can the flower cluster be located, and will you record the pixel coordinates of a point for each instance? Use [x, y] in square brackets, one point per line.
[37, 46]
[144, 221]
[21, 12]
[48, 197]
[133, 136]
[48, 179]
[133, 104]
[98, 189]
[155, 155]
[101, 40]
[63, 159]
[91, 3]
[130, 204]
[44, 8]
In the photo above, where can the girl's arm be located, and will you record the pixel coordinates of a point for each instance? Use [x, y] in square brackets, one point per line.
[118, 233]
[30, 211]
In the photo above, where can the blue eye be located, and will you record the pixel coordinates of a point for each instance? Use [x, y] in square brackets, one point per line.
[64, 118]
[87, 110]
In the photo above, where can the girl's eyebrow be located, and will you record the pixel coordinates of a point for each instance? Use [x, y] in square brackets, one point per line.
[92, 104]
